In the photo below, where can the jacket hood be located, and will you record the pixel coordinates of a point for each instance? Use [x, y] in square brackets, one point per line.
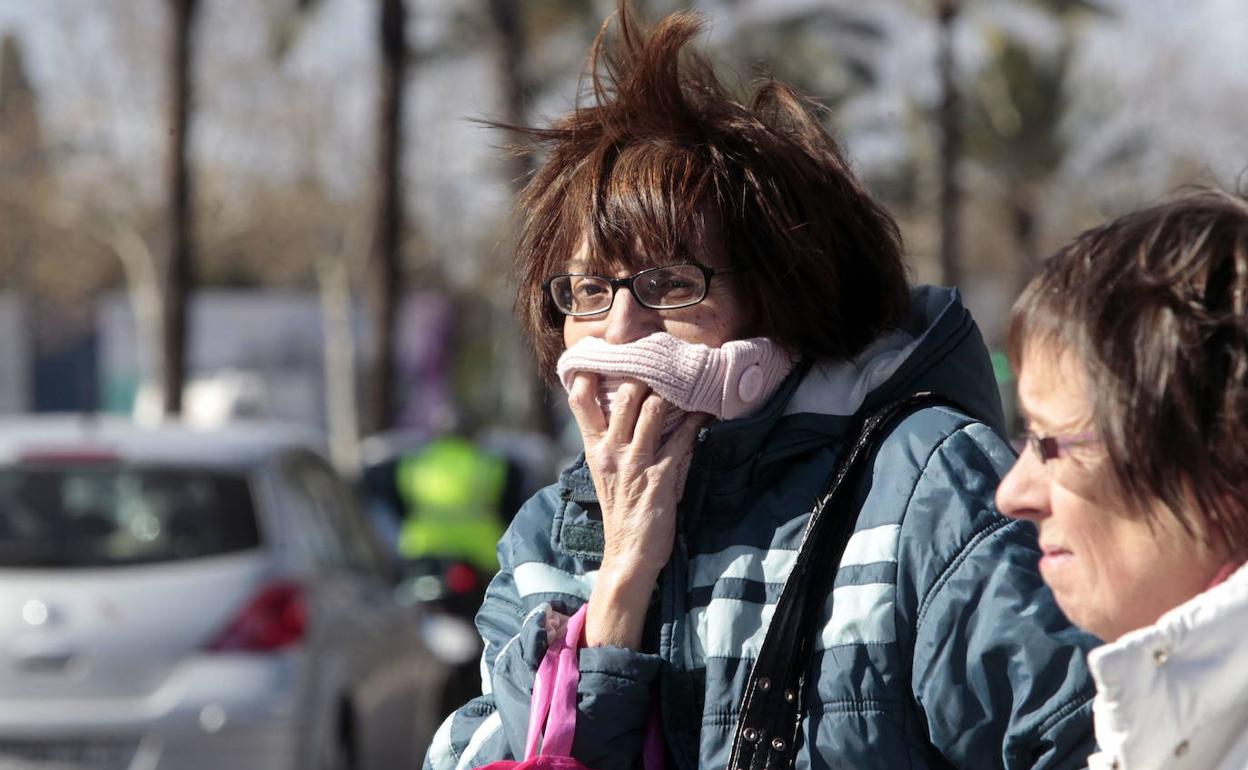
[938, 348]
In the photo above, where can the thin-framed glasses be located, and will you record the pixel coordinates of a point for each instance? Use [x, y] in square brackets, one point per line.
[659, 288]
[1051, 447]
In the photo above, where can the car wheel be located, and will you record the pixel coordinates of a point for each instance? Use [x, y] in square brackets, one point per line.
[463, 683]
[337, 746]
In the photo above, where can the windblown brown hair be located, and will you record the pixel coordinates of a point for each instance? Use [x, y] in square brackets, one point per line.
[1154, 306]
[664, 154]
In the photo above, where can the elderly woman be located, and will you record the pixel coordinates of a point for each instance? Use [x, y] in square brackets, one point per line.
[684, 255]
[1132, 352]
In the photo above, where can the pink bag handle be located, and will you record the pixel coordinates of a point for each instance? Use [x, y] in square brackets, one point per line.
[561, 725]
[543, 686]
[552, 718]
[553, 708]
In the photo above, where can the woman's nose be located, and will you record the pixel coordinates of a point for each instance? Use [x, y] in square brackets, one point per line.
[1024, 492]
[628, 320]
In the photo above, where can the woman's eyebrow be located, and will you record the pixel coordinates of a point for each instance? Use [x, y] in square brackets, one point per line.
[1034, 421]
[1031, 420]
[583, 266]
[1028, 414]
[1051, 423]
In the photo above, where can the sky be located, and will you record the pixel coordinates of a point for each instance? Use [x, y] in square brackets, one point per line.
[1173, 73]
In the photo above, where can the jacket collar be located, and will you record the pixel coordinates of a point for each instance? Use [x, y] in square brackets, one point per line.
[938, 348]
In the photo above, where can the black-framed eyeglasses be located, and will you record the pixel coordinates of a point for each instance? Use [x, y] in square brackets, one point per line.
[659, 288]
[1051, 447]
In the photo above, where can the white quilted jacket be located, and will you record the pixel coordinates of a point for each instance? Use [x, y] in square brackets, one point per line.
[1175, 694]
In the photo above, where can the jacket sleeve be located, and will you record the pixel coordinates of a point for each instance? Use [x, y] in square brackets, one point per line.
[613, 697]
[999, 674]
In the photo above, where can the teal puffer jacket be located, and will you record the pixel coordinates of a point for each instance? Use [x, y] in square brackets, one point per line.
[943, 647]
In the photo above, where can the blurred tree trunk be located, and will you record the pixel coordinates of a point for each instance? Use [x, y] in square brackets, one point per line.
[22, 168]
[1014, 123]
[950, 147]
[516, 86]
[384, 274]
[179, 277]
[339, 353]
[512, 77]
[1023, 227]
[23, 185]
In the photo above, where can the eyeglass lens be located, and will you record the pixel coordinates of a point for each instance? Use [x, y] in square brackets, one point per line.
[659, 288]
[1046, 447]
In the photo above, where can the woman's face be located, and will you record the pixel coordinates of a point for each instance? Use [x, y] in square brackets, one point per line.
[1110, 571]
[719, 318]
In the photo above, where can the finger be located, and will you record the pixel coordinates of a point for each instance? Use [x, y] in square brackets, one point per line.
[648, 434]
[625, 406]
[583, 402]
[681, 441]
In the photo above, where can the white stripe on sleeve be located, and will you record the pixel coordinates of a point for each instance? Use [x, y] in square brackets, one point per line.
[537, 578]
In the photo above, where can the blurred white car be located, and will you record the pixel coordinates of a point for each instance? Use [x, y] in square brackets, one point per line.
[174, 599]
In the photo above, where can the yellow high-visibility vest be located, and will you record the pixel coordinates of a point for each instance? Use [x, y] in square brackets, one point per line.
[451, 493]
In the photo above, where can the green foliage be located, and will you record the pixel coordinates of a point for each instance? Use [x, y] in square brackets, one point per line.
[1015, 109]
[826, 52]
[1016, 103]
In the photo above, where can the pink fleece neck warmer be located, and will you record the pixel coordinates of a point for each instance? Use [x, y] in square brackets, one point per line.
[728, 382]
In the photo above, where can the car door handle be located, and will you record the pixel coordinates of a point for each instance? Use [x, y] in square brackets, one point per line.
[46, 663]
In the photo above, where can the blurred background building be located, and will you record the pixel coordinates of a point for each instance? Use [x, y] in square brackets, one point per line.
[318, 230]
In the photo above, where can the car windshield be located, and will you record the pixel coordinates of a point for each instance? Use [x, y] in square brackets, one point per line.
[114, 515]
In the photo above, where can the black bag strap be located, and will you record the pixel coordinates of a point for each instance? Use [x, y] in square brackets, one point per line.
[771, 714]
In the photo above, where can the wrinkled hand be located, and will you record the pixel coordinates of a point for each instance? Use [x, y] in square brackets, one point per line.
[637, 476]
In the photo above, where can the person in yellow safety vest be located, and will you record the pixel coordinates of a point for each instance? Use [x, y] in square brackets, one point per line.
[452, 492]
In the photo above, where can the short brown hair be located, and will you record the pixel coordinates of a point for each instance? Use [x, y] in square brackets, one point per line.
[1154, 306]
[664, 153]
